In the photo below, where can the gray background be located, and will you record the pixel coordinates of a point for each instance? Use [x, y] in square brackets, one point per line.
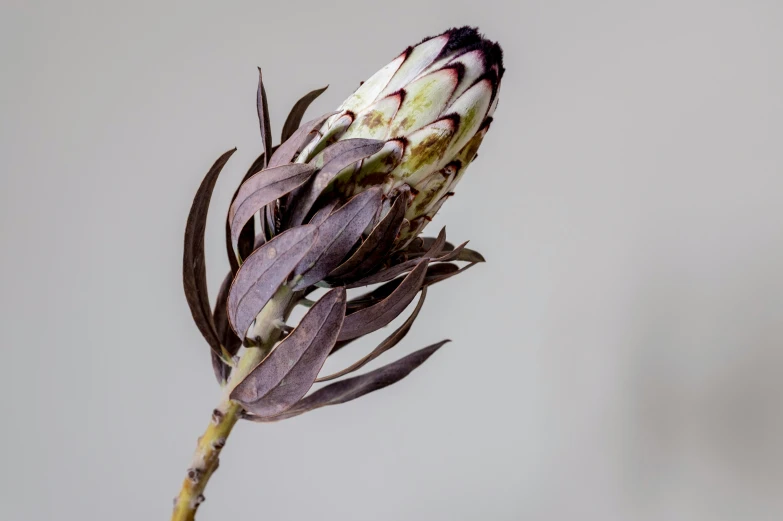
[619, 357]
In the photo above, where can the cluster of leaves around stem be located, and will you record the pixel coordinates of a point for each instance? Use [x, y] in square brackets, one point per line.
[309, 238]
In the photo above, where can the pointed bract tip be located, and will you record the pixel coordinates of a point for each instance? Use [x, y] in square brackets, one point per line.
[486, 123]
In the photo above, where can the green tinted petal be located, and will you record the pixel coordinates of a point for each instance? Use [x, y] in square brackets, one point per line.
[430, 191]
[424, 101]
[473, 62]
[419, 59]
[424, 151]
[329, 133]
[369, 91]
[375, 121]
[472, 108]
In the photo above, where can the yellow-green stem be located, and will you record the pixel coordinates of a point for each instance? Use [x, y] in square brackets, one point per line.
[206, 457]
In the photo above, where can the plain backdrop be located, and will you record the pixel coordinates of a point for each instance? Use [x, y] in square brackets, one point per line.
[618, 358]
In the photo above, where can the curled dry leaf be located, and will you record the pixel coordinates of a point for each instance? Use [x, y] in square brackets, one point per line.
[286, 152]
[263, 116]
[294, 118]
[246, 241]
[227, 338]
[340, 156]
[194, 274]
[419, 247]
[337, 235]
[289, 371]
[471, 256]
[438, 245]
[435, 274]
[262, 189]
[445, 273]
[356, 387]
[405, 266]
[263, 272]
[377, 245]
[382, 313]
[389, 342]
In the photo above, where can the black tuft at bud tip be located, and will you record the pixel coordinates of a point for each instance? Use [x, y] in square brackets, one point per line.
[461, 38]
[466, 39]
[494, 56]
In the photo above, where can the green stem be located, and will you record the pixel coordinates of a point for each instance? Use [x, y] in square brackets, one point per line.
[206, 457]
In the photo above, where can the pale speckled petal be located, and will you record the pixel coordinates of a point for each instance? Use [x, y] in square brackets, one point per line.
[374, 121]
[473, 62]
[425, 100]
[472, 108]
[331, 132]
[464, 157]
[368, 92]
[419, 58]
[425, 150]
[431, 190]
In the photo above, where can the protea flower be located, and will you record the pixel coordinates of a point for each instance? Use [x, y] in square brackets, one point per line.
[431, 106]
[338, 205]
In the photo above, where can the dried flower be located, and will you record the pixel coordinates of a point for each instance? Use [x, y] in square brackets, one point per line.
[338, 205]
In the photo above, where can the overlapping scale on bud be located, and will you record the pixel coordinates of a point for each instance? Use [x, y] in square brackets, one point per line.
[432, 105]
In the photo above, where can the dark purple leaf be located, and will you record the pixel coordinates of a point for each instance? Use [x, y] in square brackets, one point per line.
[436, 271]
[285, 376]
[355, 147]
[270, 220]
[451, 255]
[321, 215]
[294, 118]
[263, 188]
[427, 243]
[194, 274]
[405, 266]
[376, 295]
[389, 342]
[437, 245]
[356, 387]
[263, 116]
[468, 255]
[263, 272]
[343, 154]
[378, 315]
[286, 152]
[416, 246]
[245, 243]
[387, 274]
[225, 334]
[446, 273]
[337, 235]
[377, 246]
